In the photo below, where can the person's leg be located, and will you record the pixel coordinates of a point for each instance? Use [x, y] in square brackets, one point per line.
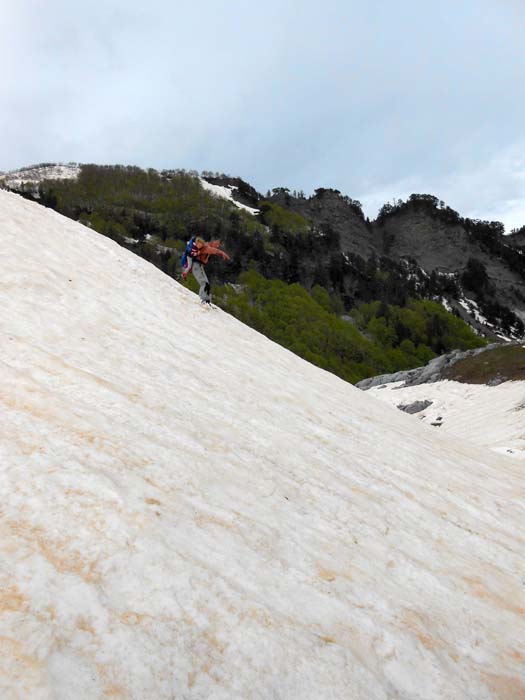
[202, 279]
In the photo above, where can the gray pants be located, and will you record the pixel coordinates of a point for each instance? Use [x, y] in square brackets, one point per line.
[202, 279]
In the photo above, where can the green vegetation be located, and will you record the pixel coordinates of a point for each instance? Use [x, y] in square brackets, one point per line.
[275, 216]
[381, 338]
[275, 259]
[138, 202]
[155, 213]
[289, 315]
[421, 330]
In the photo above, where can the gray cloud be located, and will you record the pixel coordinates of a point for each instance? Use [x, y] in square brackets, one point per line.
[372, 98]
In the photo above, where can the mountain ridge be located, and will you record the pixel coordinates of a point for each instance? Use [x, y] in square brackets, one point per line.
[419, 247]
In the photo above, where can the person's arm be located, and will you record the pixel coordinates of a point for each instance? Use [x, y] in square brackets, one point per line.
[209, 249]
[187, 267]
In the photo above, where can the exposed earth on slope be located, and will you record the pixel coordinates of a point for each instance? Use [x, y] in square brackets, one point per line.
[490, 365]
[435, 370]
[496, 365]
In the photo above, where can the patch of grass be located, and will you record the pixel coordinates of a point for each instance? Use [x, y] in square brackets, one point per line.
[276, 216]
[506, 363]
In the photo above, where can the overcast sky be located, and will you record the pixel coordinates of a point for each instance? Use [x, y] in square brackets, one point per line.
[376, 98]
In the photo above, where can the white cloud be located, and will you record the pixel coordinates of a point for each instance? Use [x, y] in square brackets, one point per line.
[379, 104]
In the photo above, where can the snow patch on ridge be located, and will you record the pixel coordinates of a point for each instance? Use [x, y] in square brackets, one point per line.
[226, 192]
[472, 308]
[38, 173]
[446, 304]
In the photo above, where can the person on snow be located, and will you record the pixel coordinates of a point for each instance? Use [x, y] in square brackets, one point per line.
[194, 259]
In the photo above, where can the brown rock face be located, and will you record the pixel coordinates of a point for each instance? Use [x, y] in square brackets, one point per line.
[329, 209]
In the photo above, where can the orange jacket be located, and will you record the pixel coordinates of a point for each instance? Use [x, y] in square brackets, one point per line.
[206, 249]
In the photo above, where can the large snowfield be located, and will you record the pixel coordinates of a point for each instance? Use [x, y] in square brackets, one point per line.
[187, 510]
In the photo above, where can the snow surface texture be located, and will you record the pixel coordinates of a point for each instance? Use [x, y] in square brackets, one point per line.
[226, 193]
[190, 511]
[492, 416]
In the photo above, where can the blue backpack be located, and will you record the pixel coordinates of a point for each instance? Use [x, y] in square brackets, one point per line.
[184, 256]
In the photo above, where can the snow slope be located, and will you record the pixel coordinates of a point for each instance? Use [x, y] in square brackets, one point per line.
[491, 416]
[190, 511]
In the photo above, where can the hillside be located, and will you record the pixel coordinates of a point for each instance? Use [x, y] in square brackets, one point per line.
[442, 241]
[37, 174]
[517, 238]
[418, 249]
[491, 365]
[287, 276]
[421, 247]
[189, 510]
